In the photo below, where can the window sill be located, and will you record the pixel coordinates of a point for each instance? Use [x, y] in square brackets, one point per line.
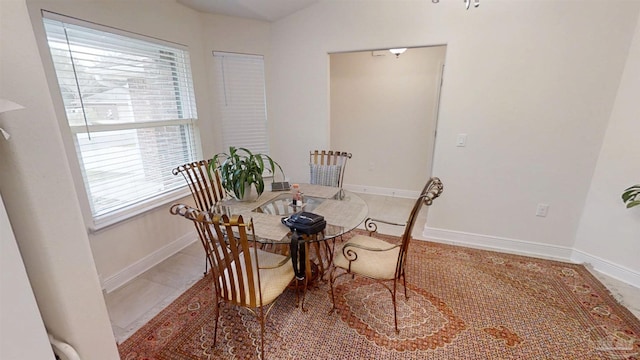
[107, 221]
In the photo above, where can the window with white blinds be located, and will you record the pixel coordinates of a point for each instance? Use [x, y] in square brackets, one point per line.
[241, 100]
[130, 105]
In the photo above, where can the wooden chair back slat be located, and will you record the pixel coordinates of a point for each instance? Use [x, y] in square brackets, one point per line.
[222, 258]
[237, 222]
[228, 251]
[235, 268]
[205, 185]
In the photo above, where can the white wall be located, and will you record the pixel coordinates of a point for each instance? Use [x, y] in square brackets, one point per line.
[127, 244]
[533, 87]
[608, 230]
[383, 106]
[46, 206]
[41, 201]
[22, 332]
[157, 234]
[229, 34]
[532, 83]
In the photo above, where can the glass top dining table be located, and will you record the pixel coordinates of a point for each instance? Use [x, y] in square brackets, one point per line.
[343, 210]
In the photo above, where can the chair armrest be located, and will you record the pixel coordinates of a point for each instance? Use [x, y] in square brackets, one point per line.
[352, 255]
[282, 262]
[371, 226]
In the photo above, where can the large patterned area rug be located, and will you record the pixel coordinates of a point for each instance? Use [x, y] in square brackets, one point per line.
[463, 304]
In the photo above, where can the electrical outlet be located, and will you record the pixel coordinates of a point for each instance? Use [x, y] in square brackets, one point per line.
[542, 210]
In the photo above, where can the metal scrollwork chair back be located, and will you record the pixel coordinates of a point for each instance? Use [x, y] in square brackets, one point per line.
[242, 274]
[380, 260]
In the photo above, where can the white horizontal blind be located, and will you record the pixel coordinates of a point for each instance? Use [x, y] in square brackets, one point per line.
[131, 107]
[241, 100]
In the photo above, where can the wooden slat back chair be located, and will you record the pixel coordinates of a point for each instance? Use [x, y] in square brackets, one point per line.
[327, 167]
[242, 274]
[377, 259]
[206, 187]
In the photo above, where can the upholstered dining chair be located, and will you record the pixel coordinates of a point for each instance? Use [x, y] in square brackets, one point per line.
[242, 274]
[327, 167]
[380, 260]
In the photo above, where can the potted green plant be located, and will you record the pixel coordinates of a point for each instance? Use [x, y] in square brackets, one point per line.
[240, 169]
[631, 196]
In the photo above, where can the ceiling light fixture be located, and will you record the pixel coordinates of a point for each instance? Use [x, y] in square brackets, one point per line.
[397, 51]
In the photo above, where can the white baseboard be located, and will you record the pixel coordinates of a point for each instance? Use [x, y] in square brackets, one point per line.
[607, 267]
[382, 191]
[487, 242]
[132, 271]
[528, 248]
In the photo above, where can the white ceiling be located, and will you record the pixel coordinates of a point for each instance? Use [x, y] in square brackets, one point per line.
[268, 10]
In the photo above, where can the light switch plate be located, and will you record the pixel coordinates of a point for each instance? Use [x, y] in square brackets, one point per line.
[461, 141]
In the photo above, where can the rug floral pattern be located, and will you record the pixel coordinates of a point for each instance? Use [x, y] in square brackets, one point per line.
[462, 304]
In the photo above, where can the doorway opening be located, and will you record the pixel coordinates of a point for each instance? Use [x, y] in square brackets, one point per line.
[384, 110]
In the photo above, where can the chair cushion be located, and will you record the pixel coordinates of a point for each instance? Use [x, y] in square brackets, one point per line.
[327, 175]
[273, 281]
[373, 264]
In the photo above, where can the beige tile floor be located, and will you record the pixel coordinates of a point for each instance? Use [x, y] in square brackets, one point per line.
[134, 304]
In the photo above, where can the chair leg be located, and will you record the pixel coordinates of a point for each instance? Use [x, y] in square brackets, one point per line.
[215, 327]
[395, 308]
[329, 250]
[332, 280]
[404, 283]
[320, 260]
[206, 263]
[261, 332]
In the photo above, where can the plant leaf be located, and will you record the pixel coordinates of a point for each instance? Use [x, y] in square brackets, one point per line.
[242, 168]
[259, 187]
[633, 203]
[631, 193]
